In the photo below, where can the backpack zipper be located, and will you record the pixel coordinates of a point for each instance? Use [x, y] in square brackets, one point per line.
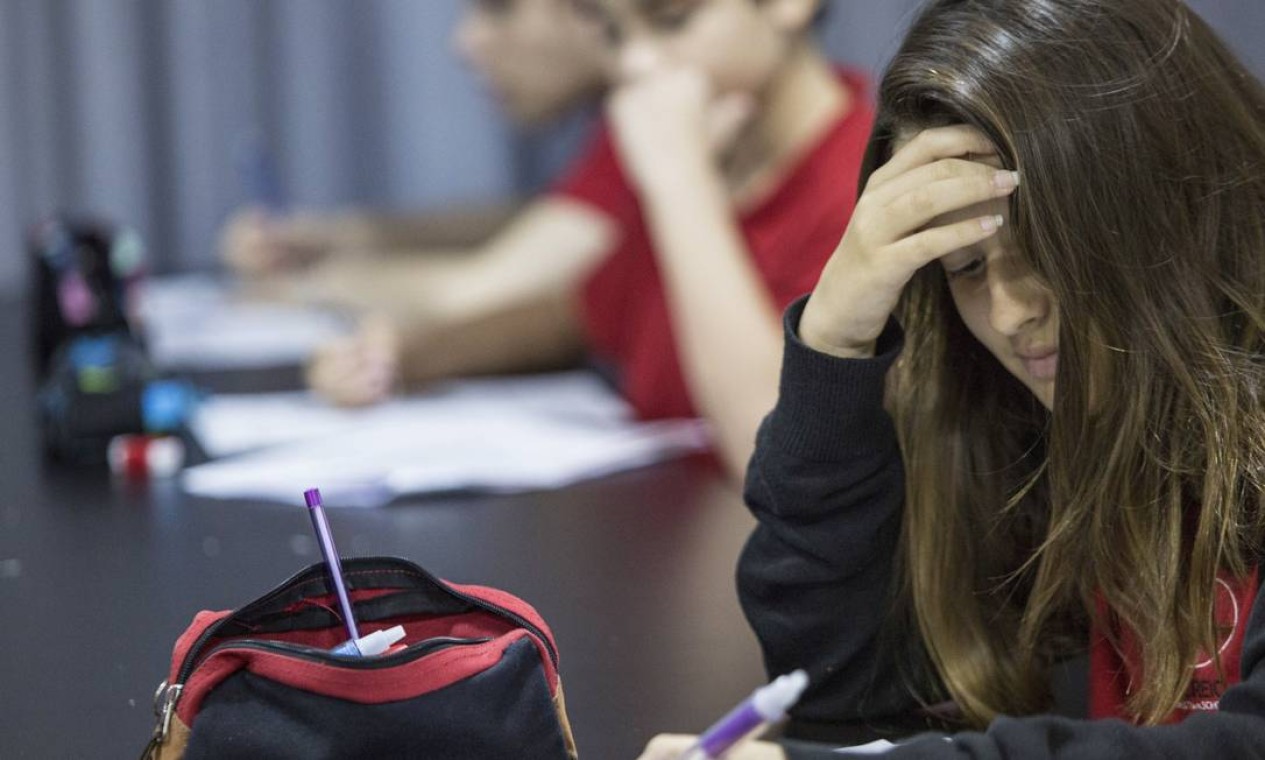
[351, 662]
[192, 658]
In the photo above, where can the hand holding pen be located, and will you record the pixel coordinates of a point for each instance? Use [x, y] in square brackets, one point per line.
[766, 705]
[729, 737]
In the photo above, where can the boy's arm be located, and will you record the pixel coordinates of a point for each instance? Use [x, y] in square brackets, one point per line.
[457, 227]
[538, 331]
[723, 317]
[258, 244]
[507, 306]
[552, 240]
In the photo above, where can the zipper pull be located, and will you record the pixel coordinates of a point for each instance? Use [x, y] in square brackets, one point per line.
[165, 699]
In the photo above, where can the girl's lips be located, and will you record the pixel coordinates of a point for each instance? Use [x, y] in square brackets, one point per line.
[1042, 367]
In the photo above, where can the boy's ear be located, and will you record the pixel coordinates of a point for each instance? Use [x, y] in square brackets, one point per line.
[791, 16]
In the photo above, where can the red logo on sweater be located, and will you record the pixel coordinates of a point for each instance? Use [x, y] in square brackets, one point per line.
[1111, 672]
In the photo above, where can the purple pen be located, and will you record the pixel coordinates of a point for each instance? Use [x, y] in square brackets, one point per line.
[326, 539]
[766, 705]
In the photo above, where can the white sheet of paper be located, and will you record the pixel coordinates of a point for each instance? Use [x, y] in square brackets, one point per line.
[880, 747]
[197, 322]
[501, 435]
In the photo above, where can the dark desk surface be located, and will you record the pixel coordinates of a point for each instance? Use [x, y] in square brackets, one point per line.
[634, 573]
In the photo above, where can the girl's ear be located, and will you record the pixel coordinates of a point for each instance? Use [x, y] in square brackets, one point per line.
[791, 16]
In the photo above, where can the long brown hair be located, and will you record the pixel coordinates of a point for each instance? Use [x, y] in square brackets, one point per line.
[1141, 143]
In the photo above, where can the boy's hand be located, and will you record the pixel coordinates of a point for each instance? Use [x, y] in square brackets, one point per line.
[358, 370]
[255, 242]
[667, 118]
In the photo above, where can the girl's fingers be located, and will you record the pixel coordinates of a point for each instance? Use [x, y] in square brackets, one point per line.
[893, 233]
[946, 168]
[925, 247]
[920, 207]
[932, 145]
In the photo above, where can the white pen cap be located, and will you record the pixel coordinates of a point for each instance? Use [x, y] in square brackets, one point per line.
[772, 701]
[373, 644]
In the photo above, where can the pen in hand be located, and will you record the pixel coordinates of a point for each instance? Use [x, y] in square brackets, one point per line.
[766, 705]
[326, 539]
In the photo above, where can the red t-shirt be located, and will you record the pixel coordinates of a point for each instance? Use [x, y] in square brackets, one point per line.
[1113, 670]
[790, 234]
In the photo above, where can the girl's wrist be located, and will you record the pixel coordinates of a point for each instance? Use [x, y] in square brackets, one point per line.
[840, 349]
[833, 337]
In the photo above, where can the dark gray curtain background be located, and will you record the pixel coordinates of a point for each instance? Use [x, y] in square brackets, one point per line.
[131, 109]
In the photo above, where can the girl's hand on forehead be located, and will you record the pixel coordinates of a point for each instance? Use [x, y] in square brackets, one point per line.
[667, 118]
[931, 145]
[895, 231]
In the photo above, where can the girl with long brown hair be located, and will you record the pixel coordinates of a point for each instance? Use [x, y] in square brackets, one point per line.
[1021, 413]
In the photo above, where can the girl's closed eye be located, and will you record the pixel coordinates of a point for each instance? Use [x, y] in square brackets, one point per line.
[969, 268]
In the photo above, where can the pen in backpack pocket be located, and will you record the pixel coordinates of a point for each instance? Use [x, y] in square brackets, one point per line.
[326, 539]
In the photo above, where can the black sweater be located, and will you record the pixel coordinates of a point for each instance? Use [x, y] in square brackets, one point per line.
[827, 486]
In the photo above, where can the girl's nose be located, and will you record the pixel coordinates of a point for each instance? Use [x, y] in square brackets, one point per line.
[1017, 302]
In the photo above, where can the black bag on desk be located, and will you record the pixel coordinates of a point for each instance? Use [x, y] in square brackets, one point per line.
[477, 678]
[84, 276]
[95, 377]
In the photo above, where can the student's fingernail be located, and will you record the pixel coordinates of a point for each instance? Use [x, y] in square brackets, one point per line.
[1005, 180]
[992, 223]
